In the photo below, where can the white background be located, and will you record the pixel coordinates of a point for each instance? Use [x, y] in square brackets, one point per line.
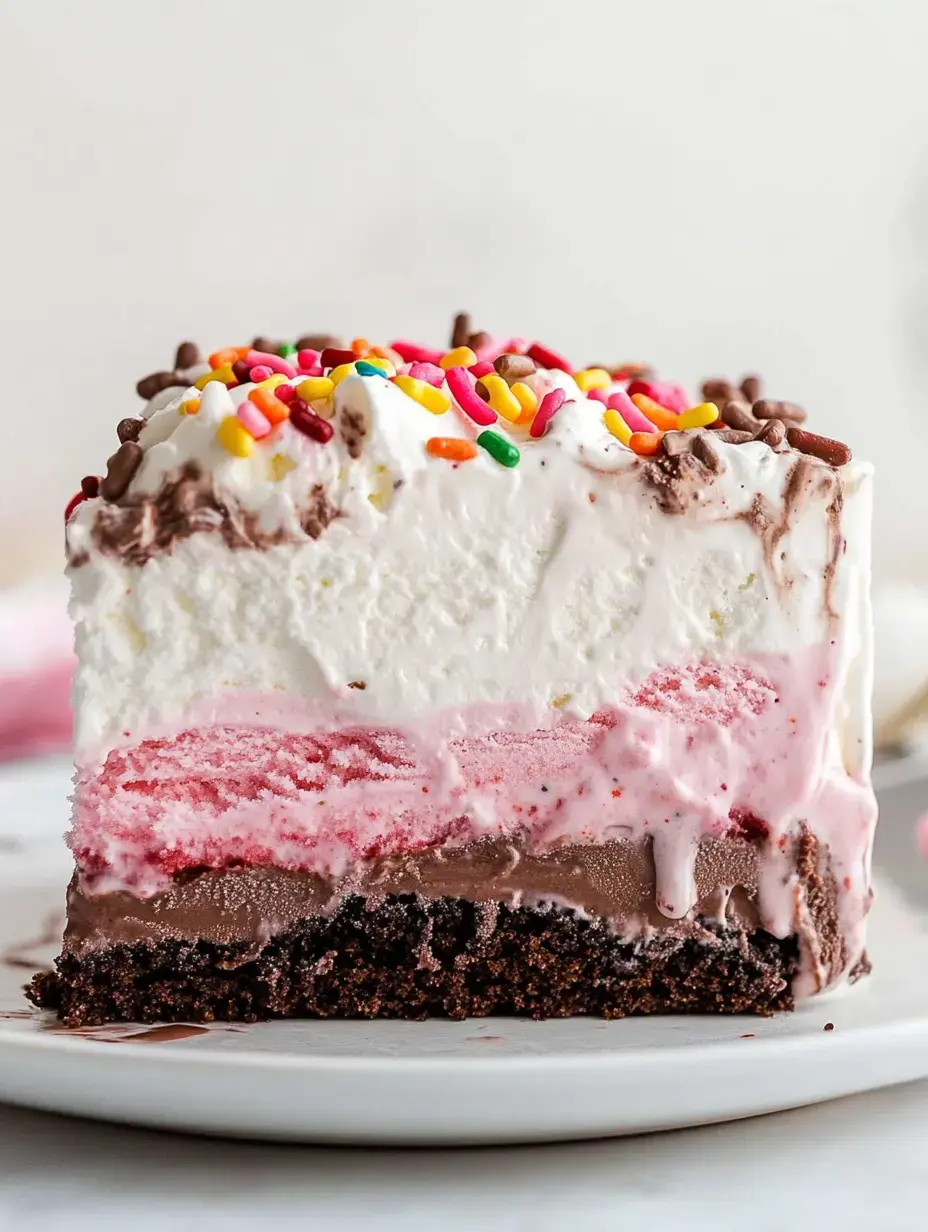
[714, 186]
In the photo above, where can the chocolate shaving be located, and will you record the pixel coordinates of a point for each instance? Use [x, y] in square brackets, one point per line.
[675, 443]
[768, 408]
[120, 470]
[835, 453]
[706, 452]
[140, 527]
[731, 436]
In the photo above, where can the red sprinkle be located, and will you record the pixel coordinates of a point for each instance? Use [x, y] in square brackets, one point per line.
[309, 423]
[415, 353]
[77, 499]
[286, 393]
[307, 358]
[546, 358]
[480, 368]
[334, 357]
[550, 404]
[90, 485]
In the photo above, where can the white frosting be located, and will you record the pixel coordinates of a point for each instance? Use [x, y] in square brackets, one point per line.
[553, 583]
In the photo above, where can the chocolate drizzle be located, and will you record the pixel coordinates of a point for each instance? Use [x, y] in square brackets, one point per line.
[139, 527]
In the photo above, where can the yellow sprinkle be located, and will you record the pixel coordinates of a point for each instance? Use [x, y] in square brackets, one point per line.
[527, 400]
[502, 399]
[460, 357]
[617, 426]
[699, 416]
[561, 700]
[223, 373]
[315, 387]
[337, 375]
[190, 407]
[233, 435]
[592, 378]
[275, 379]
[426, 395]
[383, 364]
[279, 466]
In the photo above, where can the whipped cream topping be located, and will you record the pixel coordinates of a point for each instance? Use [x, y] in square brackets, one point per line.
[440, 585]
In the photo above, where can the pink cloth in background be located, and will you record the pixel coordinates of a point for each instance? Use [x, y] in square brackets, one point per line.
[36, 662]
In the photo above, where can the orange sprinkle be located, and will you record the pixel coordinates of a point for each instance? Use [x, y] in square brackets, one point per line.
[271, 407]
[228, 355]
[361, 347]
[658, 415]
[646, 444]
[454, 448]
[388, 353]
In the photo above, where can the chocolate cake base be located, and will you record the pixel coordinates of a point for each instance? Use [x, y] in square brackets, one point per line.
[414, 958]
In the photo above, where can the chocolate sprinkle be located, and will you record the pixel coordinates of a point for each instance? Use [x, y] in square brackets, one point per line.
[773, 433]
[768, 408]
[120, 470]
[460, 330]
[835, 453]
[514, 367]
[750, 387]
[317, 342]
[186, 356]
[738, 415]
[129, 429]
[731, 436]
[153, 384]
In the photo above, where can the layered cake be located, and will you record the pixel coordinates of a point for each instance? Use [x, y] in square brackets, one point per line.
[444, 681]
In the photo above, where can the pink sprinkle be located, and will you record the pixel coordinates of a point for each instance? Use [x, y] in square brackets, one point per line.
[428, 372]
[480, 368]
[598, 395]
[665, 393]
[312, 370]
[546, 358]
[255, 421]
[274, 362]
[467, 397]
[413, 352]
[286, 393]
[550, 404]
[637, 422]
[501, 346]
[307, 357]
[260, 372]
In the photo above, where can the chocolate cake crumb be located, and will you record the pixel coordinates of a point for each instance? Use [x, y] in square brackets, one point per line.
[365, 961]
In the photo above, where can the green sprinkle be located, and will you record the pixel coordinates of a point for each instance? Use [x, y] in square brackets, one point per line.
[286, 349]
[748, 582]
[363, 368]
[503, 451]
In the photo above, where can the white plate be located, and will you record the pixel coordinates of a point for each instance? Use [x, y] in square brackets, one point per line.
[480, 1081]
